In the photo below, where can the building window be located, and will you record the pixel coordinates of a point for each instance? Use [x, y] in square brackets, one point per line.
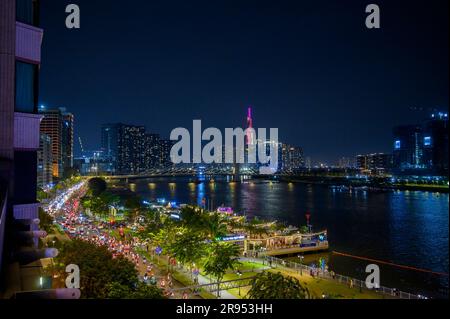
[427, 141]
[26, 11]
[25, 87]
[397, 145]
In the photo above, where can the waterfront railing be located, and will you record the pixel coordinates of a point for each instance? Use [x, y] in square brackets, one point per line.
[325, 274]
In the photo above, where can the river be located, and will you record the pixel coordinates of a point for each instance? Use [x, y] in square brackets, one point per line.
[403, 227]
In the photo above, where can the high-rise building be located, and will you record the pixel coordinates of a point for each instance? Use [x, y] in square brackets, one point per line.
[376, 163]
[291, 158]
[345, 162]
[152, 151]
[45, 161]
[408, 147]
[130, 149]
[109, 140]
[67, 142]
[165, 147]
[58, 124]
[20, 56]
[308, 164]
[435, 143]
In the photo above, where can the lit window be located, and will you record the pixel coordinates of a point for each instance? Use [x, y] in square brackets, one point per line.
[427, 141]
[397, 144]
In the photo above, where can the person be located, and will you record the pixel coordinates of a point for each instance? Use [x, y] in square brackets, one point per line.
[351, 283]
[169, 279]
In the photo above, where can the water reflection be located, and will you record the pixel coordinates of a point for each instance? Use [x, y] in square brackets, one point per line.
[409, 228]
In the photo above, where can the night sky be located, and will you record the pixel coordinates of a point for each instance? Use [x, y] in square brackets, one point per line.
[310, 68]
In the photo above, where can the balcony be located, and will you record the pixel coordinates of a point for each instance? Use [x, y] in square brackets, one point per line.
[26, 131]
[28, 43]
[26, 211]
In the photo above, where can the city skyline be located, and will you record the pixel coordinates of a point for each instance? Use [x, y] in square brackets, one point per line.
[272, 65]
[229, 150]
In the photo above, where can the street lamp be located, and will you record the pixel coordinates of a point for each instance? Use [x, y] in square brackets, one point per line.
[239, 275]
[301, 257]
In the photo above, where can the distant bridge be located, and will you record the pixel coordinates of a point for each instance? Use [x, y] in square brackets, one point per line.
[186, 171]
[195, 172]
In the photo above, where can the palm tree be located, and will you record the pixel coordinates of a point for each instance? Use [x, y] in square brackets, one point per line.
[215, 226]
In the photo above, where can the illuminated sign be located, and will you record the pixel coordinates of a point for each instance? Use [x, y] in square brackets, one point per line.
[427, 141]
[397, 144]
[231, 238]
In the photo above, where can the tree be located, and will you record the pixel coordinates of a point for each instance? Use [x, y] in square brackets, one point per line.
[268, 285]
[41, 194]
[45, 221]
[98, 270]
[132, 205]
[193, 217]
[141, 291]
[165, 238]
[97, 186]
[221, 256]
[216, 226]
[99, 207]
[188, 248]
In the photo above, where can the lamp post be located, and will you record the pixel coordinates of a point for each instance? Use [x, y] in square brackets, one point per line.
[239, 275]
[301, 257]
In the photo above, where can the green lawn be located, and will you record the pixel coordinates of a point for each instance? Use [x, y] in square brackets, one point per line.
[332, 289]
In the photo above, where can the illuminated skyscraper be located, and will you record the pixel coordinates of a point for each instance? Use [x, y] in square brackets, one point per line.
[58, 124]
[45, 162]
[435, 143]
[408, 147]
[291, 158]
[130, 149]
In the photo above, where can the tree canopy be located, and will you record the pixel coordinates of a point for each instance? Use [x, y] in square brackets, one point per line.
[101, 275]
[97, 185]
[268, 285]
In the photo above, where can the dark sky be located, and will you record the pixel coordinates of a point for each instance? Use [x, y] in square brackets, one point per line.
[310, 68]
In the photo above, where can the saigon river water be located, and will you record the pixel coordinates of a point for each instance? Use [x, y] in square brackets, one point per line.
[403, 227]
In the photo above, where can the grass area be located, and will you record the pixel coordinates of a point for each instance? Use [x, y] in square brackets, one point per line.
[250, 266]
[239, 292]
[234, 276]
[332, 289]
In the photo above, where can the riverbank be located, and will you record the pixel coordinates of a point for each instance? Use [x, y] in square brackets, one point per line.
[377, 185]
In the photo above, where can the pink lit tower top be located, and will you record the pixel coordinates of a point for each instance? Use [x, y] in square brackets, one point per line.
[250, 137]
